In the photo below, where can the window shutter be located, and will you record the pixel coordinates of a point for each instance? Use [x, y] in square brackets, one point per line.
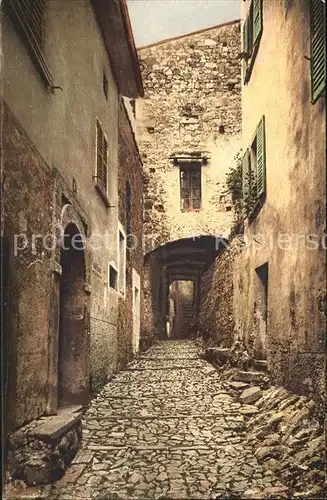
[257, 20]
[261, 158]
[318, 49]
[105, 161]
[102, 156]
[245, 46]
[246, 177]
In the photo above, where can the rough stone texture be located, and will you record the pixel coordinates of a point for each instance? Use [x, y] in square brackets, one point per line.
[192, 89]
[130, 171]
[250, 395]
[43, 459]
[139, 443]
[216, 314]
[27, 278]
[289, 441]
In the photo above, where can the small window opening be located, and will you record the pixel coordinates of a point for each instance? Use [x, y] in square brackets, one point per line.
[113, 277]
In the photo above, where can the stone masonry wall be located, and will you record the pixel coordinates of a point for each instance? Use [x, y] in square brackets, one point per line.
[27, 189]
[216, 313]
[130, 171]
[192, 104]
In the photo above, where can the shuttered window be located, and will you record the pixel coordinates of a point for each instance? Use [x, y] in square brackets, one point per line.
[252, 30]
[245, 46]
[256, 20]
[246, 177]
[190, 183]
[102, 157]
[318, 48]
[254, 169]
[260, 158]
[30, 16]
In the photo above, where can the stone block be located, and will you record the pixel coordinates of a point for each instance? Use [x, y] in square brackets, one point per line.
[251, 395]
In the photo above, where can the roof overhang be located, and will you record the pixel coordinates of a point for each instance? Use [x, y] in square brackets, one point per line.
[114, 22]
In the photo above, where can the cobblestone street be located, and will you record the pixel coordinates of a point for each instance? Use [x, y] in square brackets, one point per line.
[166, 427]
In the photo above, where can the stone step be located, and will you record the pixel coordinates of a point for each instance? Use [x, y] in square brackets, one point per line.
[261, 365]
[252, 377]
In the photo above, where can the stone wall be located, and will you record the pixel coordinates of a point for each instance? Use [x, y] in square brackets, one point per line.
[192, 106]
[130, 171]
[27, 275]
[216, 313]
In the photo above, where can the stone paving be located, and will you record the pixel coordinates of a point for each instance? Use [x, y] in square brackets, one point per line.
[166, 427]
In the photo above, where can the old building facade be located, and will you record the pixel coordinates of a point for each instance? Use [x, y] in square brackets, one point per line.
[276, 301]
[188, 130]
[66, 65]
[130, 194]
[189, 133]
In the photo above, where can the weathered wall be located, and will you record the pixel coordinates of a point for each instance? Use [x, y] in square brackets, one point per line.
[129, 171]
[192, 104]
[27, 276]
[150, 324]
[295, 202]
[216, 312]
[183, 294]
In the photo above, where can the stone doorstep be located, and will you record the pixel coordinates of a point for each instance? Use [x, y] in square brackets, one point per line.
[55, 426]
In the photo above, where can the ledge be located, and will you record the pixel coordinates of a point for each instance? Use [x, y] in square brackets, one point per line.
[55, 426]
[102, 192]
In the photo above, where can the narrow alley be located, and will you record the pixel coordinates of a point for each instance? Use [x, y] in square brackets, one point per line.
[166, 427]
[163, 248]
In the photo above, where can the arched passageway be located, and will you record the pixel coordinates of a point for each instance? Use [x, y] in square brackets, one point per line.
[73, 335]
[172, 285]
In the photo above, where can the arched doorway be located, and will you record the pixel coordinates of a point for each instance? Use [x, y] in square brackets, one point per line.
[73, 334]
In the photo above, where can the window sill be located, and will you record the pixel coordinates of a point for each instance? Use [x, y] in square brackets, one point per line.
[102, 192]
[33, 47]
[190, 210]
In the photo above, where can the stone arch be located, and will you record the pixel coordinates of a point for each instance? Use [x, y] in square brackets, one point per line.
[180, 260]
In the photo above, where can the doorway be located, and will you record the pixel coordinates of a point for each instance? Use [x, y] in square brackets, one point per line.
[180, 315]
[73, 335]
[261, 312]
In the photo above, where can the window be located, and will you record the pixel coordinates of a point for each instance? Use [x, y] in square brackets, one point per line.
[113, 277]
[102, 158]
[254, 170]
[105, 85]
[190, 184]
[30, 16]
[318, 49]
[122, 260]
[252, 31]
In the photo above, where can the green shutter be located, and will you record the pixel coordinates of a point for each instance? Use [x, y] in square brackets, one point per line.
[318, 49]
[246, 177]
[245, 47]
[245, 37]
[257, 20]
[261, 158]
